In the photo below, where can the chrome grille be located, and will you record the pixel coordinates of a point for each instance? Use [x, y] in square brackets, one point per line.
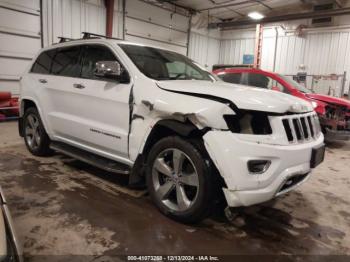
[300, 128]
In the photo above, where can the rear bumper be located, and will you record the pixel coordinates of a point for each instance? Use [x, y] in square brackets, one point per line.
[290, 166]
[336, 135]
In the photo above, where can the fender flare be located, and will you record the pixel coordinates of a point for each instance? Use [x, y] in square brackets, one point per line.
[21, 114]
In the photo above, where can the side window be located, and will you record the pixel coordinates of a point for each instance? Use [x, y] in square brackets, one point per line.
[42, 64]
[257, 80]
[275, 85]
[92, 55]
[67, 62]
[262, 81]
[233, 78]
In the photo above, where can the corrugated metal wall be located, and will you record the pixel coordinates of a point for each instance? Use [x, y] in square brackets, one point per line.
[204, 49]
[71, 17]
[232, 51]
[235, 44]
[322, 52]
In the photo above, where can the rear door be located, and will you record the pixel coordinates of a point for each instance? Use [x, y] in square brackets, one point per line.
[59, 92]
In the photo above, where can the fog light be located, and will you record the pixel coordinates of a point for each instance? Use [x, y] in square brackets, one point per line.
[258, 166]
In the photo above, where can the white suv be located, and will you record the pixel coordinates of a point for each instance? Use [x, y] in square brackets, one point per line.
[166, 122]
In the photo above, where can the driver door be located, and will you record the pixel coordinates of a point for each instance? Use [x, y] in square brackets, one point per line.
[100, 122]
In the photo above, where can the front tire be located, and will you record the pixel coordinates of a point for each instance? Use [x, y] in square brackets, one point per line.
[36, 139]
[179, 180]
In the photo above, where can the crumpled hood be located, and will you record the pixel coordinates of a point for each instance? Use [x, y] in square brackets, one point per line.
[329, 99]
[244, 97]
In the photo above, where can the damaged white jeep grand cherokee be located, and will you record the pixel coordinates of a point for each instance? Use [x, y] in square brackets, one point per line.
[157, 116]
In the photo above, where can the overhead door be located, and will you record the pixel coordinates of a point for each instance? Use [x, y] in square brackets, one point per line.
[19, 40]
[150, 24]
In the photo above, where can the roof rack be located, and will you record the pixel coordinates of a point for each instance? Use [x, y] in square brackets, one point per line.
[64, 39]
[87, 35]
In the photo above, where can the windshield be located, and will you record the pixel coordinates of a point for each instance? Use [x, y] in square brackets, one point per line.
[295, 84]
[161, 64]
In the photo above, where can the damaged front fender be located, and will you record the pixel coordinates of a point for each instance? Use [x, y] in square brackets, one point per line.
[201, 114]
[147, 112]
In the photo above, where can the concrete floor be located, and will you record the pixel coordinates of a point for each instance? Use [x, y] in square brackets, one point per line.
[64, 207]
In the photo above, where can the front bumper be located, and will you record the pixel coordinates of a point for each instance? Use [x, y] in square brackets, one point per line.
[230, 154]
[336, 135]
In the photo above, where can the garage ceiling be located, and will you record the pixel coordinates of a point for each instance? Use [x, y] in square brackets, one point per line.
[238, 9]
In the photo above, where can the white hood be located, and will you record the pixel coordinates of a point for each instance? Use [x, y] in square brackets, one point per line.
[244, 97]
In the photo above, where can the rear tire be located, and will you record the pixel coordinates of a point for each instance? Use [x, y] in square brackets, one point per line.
[179, 180]
[35, 137]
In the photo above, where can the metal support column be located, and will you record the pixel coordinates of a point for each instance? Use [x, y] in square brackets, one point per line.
[258, 45]
[109, 17]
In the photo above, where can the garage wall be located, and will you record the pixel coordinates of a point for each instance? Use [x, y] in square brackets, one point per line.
[321, 50]
[149, 24]
[20, 31]
[20, 27]
[235, 44]
[204, 49]
[118, 19]
[69, 18]
[19, 41]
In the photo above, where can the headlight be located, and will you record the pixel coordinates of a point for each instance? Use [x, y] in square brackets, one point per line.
[249, 122]
[314, 104]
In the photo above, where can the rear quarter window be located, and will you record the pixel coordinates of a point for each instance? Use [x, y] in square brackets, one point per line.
[43, 63]
[67, 62]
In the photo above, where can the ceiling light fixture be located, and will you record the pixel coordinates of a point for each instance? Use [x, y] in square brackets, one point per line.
[256, 15]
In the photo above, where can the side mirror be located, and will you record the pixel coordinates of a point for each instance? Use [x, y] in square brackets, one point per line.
[108, 69]
[276, 88]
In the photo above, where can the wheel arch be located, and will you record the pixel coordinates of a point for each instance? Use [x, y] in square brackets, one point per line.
[24, 105]
[162, 128]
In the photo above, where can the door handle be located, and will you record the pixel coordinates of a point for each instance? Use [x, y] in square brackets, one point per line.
[79, 86]
[43, 81]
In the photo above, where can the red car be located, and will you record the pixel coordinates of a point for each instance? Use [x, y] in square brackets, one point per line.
[334, 113]
[8, 105]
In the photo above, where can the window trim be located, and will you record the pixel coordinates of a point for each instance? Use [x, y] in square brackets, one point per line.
[82, 46]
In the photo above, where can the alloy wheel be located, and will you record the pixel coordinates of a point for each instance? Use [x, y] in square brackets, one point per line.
[175, 179]
[33, 131]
